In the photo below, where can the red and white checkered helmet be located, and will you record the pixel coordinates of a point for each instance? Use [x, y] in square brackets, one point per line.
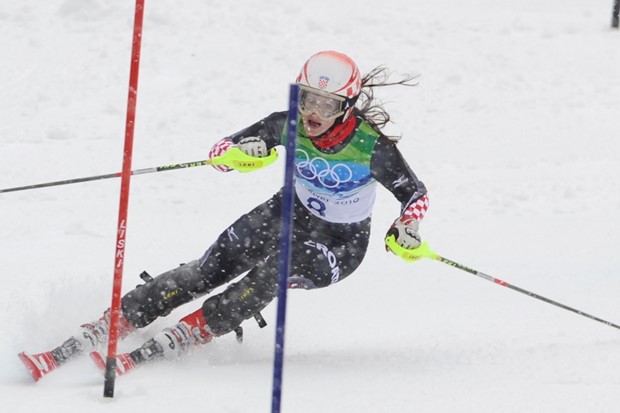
[332, 72]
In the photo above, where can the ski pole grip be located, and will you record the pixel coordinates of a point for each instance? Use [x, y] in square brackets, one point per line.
[238, 160]
[410, 255]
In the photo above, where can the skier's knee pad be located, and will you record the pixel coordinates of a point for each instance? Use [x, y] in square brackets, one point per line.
[159, 296]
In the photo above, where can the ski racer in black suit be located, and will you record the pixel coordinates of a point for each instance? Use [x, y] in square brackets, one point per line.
[340, 158]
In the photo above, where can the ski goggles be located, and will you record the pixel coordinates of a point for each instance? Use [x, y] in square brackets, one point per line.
[327, 105]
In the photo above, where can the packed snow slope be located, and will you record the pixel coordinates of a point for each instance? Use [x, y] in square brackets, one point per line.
[514, 128]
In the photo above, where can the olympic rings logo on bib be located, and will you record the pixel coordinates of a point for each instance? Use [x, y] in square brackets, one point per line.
[318, 168]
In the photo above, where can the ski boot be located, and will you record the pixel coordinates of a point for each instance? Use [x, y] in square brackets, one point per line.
[90, 337]
[171, 342]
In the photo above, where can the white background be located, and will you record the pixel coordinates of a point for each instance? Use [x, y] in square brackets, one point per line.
[514, 128]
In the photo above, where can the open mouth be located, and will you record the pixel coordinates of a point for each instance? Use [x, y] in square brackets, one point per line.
[313, 124]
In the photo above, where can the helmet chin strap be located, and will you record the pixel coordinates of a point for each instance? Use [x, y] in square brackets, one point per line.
[336, 134]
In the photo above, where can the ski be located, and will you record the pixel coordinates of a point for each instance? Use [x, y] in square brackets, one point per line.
[124, 363]
[39, 364]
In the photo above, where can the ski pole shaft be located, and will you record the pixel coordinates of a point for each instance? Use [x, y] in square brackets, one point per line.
[424, 251]
[108, 176]
[234, 158]
[522, 290]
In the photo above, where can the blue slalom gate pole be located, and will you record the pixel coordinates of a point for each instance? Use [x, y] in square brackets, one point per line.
[286, 237]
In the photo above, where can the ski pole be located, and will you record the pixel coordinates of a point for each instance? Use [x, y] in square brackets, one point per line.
[233, 158]
[424, 251]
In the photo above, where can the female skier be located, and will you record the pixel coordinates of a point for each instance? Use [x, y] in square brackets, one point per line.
[341, 155]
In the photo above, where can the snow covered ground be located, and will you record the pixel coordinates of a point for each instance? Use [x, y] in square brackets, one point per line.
[514, 128]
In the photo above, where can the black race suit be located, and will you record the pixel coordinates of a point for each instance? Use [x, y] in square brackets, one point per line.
[323, 251]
